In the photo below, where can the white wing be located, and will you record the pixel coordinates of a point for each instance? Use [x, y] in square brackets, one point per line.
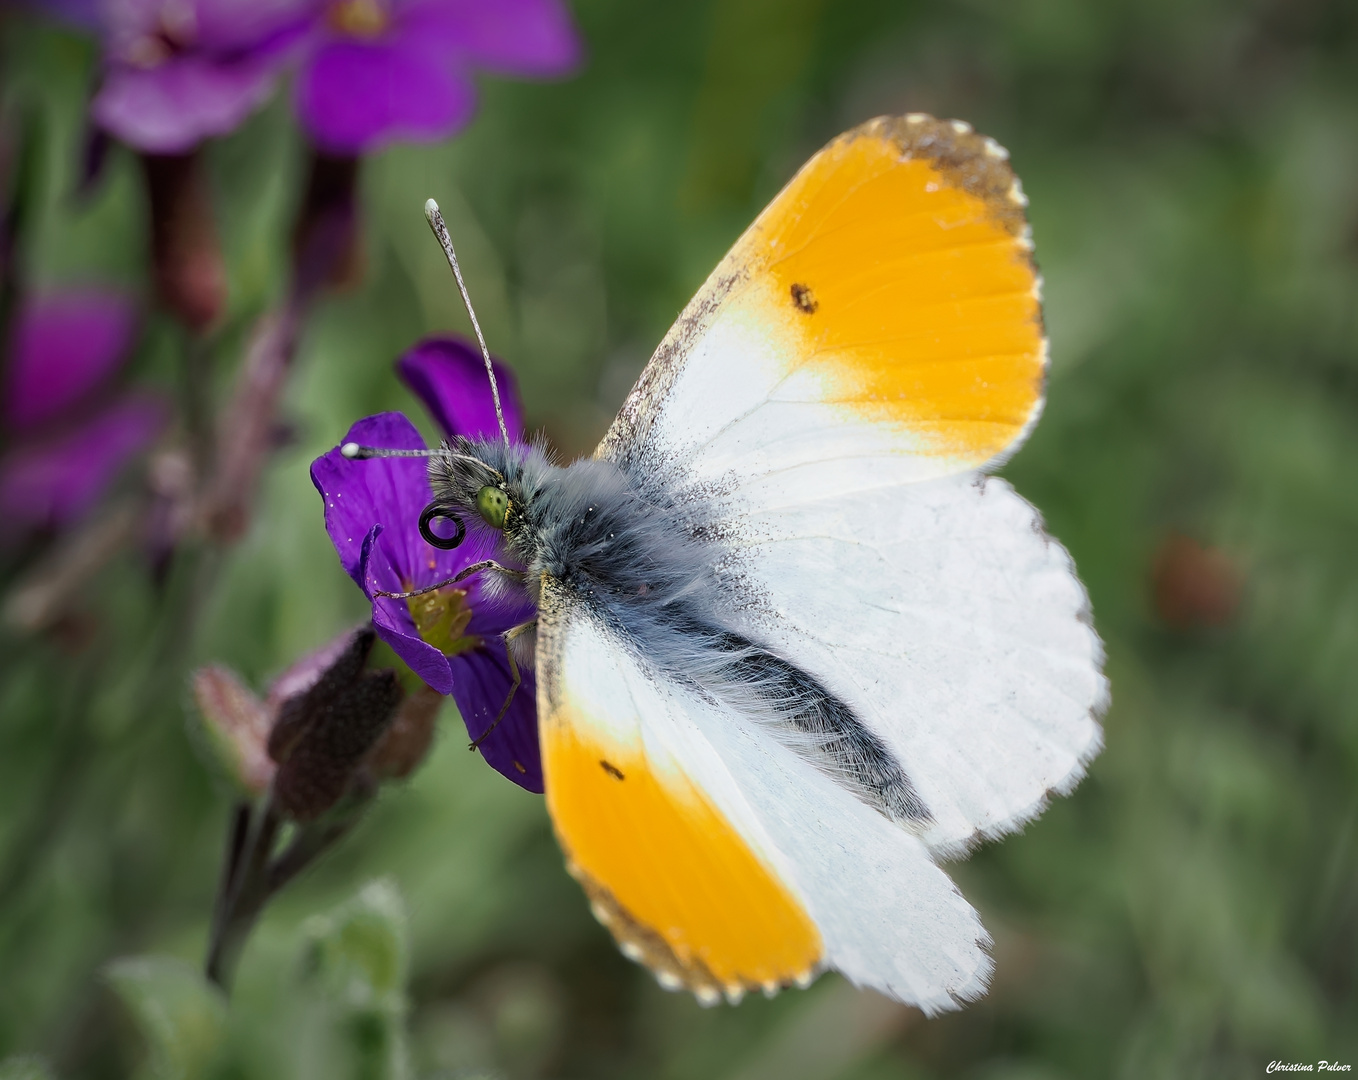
[824, 403]
[720, 858]
[951, 624]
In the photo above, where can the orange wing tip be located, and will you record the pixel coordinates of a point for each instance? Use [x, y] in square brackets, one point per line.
[970, 161]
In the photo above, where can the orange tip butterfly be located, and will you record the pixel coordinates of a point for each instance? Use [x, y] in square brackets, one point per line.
[794, 645]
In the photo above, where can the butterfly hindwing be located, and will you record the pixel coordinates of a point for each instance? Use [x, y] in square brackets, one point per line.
[953, 627]
[720, 858]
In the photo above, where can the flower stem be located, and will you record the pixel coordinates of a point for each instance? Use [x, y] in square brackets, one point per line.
[246, 892]
[310, 842]
[44, 821]
[246, 428]
[189, 273]
[252, 875]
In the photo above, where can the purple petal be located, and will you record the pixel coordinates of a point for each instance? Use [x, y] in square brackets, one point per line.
[381, 570]
[391, 492]
[372, 513]
[63, 345]
[55, 483]
[448, 374]
[356, 95]
[481, 682]
[372, 510]
[392, 618]
[171, 108]
[361, 494]
[137, 31]
[529, 38]
[252, 24]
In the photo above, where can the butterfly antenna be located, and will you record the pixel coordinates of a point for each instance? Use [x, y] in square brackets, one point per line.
[354, 452]
[358, 452]
[431, 212]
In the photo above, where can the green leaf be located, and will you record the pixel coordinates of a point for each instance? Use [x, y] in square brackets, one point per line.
[357, 953]
[355, 958]
[179, 1014]
[24, 1067]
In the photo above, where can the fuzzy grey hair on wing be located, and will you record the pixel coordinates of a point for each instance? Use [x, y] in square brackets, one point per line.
[649, 575]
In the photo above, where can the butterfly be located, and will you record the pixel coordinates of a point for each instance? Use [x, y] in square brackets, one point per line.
[794, 644]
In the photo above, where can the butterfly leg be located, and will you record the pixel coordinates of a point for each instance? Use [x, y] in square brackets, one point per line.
[516, 676]
[517, 576]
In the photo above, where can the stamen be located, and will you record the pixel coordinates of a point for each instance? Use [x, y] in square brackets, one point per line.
[359, 18]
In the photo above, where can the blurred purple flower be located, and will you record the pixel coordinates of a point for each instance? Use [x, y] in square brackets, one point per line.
[65, 448]
[378, 71]
[451, 638]
[54, 482]
[180, 71]
[373, 71]
[63, 346]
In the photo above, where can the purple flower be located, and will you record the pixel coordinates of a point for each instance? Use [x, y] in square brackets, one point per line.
[179, 71]
[67, 444]
[63, 346]
[382, 70]
[373, 71]
[452, 638]
[52, 483]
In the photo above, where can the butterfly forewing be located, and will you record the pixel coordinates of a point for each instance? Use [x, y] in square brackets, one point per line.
[886, 303]
[720, 858]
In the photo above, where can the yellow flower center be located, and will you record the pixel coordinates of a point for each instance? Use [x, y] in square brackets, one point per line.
[441, 618]
[359, 18]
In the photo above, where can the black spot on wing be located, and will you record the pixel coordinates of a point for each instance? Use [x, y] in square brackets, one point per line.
[804, 299]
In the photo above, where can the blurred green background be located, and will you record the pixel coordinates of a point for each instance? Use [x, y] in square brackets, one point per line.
[1191, 911]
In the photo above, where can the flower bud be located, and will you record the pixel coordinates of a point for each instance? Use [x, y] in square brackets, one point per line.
[238, 724]
[406, 743]
[323, 734]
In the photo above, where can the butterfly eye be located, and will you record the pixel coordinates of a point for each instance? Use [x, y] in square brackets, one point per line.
[493, 505]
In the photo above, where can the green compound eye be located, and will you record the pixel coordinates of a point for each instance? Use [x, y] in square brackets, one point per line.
[492, 504]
